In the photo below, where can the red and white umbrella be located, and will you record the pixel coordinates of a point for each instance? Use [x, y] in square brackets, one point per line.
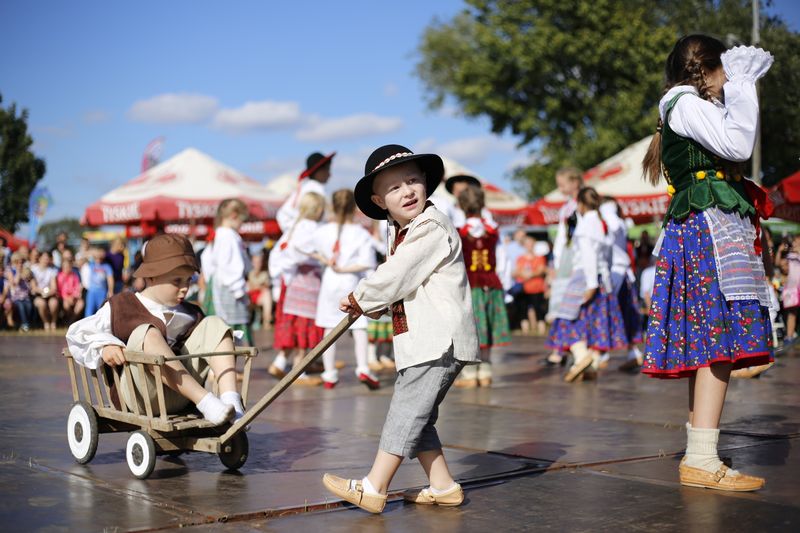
[184, 189]
[619, 176]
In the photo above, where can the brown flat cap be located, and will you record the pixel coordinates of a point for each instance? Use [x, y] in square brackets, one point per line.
[164, 253]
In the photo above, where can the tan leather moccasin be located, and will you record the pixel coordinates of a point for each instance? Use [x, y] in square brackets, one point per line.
[373, 503]
[451, 498]
[578, 368]
[719, 480]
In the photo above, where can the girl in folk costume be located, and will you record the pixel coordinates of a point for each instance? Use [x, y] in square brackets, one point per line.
[622, 279]
[379, 331]
[346, 250]
[301, 275]
[225, 265]
[709, 312]
[479, 241]
[588, 319]
[569, 180]
[312, 179]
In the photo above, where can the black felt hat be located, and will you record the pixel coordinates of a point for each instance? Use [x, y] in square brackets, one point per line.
[461, 178]
[315, 162]
[389, 156]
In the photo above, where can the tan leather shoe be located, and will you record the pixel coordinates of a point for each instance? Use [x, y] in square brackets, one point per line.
[751, 372]
[451, 498]
[375, 366]
[340, 365]
[578, 368]
[274, 371]
[308, 381]
[719, 480]
[465, 383]
[373, 503]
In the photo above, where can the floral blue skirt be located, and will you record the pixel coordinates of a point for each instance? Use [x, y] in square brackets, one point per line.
[691, 325]
[599, 324]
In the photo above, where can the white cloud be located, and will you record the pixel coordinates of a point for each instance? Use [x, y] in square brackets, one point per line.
[262, 115]
[96, 116]
[350, 127]
[474, 150]
[174, 108]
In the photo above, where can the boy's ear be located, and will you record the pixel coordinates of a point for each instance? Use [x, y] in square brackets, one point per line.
[378, 200]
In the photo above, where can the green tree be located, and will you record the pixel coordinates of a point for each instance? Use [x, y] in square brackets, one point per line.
[577, 81]
[20, 169]
[50, 230]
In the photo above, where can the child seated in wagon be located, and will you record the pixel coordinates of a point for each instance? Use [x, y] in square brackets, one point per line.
[158, 321]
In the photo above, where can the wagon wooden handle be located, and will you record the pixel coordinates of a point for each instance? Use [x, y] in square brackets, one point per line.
[288, 379]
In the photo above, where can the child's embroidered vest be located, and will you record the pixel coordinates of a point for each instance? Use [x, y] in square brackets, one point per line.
[480, 259]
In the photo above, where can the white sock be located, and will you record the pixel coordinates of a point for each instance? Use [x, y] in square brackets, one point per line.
[360, 343]
[372, 353]
[329, 361]
[635, 353]
[234, 399]
[280, 361]
[365, 483]
[701, 449]
[439, 492]
[214, 410]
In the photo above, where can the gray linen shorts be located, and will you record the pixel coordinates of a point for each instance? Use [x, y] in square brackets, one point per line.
[418, 391]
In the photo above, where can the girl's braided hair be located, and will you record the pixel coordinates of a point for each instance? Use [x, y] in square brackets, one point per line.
[690, 60]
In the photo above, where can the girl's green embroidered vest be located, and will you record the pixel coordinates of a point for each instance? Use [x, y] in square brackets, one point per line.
[696, 177]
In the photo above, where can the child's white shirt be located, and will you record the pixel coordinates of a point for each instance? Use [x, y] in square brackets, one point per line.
[299, 243]
[427, 272]
[228, 261]
[589, 247]
[288, 212]
[87, 337]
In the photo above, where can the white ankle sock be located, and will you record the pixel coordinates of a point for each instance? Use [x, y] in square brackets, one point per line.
[280, 361]
[365, 483]
[234, 399]
[214, 410]
[439, 492]
[701, 449]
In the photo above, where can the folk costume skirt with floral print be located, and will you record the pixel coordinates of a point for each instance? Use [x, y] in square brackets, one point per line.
[599, 324]
[491, 318]
[691, 324]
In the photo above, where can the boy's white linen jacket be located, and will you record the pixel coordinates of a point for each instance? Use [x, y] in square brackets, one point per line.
[427, 273]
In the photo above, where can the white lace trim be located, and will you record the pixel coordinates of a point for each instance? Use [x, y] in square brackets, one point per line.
[740, 272]
[746, 63]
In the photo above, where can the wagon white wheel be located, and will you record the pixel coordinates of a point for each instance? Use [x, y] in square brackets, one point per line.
[234, 452]
[140, 453]
[82, 432]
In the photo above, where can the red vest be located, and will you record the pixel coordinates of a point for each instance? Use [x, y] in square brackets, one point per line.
[480, 258]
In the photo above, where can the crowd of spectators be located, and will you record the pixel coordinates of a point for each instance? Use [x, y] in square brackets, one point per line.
[51, 289]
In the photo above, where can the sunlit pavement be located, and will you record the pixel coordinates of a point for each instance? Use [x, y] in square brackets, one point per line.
[532, 453]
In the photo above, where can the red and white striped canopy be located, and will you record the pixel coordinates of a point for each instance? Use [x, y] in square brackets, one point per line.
[619, 176]
[185, 188]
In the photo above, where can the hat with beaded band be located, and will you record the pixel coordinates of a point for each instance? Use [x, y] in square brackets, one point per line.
[389, 156]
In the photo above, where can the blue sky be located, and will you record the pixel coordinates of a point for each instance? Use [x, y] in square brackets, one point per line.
[256, 85]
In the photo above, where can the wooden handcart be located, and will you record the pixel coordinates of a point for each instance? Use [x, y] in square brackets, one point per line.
[97, 408]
